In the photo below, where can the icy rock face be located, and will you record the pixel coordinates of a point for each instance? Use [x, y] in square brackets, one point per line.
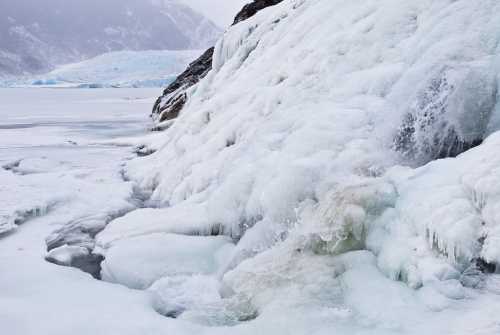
[450, 114]
[253, 8]
[175, 96]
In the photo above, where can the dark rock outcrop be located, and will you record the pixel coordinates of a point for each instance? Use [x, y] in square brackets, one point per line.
[253, 8]
[174, 97]
[170, 104]
[87, 262]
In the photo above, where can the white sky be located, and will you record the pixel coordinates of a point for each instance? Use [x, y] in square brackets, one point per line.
[221, 12]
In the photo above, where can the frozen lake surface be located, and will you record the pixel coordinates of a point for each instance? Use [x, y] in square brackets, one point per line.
[60, 164]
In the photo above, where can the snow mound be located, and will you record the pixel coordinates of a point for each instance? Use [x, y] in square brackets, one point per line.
[139, 262]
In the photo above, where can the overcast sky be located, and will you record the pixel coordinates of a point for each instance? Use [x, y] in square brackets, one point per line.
[221, 12]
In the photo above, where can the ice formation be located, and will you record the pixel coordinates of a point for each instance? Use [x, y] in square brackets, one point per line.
[291, 145]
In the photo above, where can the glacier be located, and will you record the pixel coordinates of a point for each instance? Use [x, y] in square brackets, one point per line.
[334, 172]
[116, 69]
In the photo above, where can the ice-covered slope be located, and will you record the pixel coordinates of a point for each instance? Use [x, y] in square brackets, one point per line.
[118, 69]
[35, 36]
[291, 146]
[310, 94]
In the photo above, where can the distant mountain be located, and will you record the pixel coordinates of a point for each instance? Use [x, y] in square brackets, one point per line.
[116, 69]
[37, 35]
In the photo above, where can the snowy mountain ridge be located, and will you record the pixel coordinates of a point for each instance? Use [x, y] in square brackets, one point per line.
[34, 40]
[113, 69]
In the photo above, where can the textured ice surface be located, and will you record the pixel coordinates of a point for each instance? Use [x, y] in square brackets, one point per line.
[48, 155]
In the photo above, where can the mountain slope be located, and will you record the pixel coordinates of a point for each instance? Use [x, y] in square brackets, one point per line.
[34, 39]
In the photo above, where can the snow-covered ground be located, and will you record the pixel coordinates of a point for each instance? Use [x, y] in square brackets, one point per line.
[114, 69]
[62, 152]
[279, 202]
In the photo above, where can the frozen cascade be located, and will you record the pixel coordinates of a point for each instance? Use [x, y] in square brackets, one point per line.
[291, 145]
